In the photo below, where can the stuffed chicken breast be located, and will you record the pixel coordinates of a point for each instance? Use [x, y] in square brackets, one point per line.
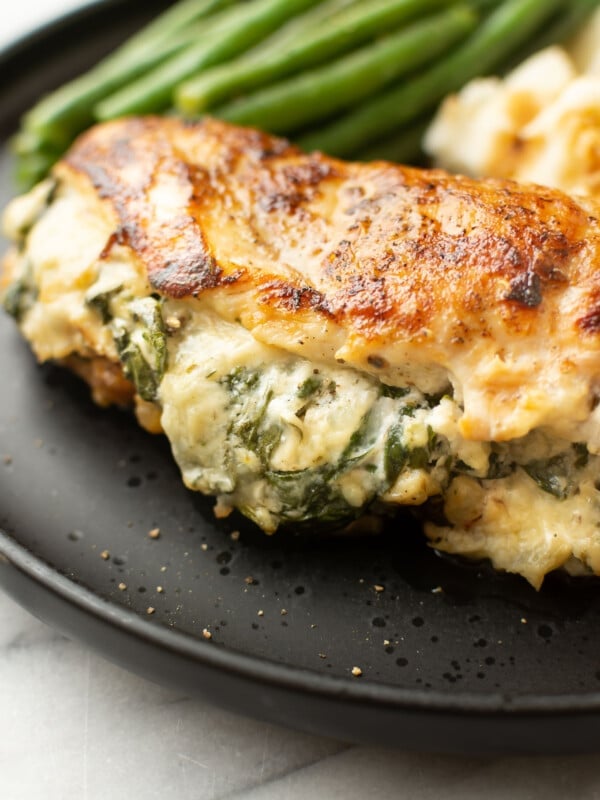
[322, 340]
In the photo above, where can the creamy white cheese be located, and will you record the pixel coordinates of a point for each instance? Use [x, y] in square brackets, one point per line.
[520, 528]
[225, 395]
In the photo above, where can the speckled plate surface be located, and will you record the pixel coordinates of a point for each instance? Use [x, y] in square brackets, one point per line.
[453, 657]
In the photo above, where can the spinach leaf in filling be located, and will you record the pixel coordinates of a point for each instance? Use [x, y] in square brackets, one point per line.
[142, 346]
[372, 460]
[558, 475]
[20, 295]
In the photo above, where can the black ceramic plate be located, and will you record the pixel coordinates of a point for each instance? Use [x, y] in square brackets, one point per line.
[453, 657]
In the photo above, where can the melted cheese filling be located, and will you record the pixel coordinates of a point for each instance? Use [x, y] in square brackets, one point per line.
[287, 439]
[521, 528]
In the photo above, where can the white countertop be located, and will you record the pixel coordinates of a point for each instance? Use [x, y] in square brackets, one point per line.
[78, 728]
[17, 19]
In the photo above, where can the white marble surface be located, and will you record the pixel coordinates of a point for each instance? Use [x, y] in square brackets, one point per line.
[74, 727]
[78, 728]
[17, 19]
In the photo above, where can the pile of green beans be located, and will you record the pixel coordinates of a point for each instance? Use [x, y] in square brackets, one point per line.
[354, 78]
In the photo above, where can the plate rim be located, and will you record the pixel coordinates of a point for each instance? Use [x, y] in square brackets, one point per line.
[302, 681]
[29, 39]
[284, 676]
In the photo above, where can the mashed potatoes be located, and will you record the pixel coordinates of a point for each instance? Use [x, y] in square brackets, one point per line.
[541, 123]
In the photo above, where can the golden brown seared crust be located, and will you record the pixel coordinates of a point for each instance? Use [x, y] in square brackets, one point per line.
[497, 283]
[7, 269]
[105, 378]
[109, 386]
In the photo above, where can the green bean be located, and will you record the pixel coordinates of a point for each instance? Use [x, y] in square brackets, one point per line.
[513, 22]
[63, 113]
[344, 31]
[174, 20]
[25, 142]
[484, 5]
[306, 24]
[318, 94]
[405, 147]
[242, 26]
[243, 72]
[32, 167]
[567, 23]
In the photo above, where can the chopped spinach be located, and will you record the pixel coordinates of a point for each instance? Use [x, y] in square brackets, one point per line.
[269, 439]
[136, 368]
[155, 336]
[499, 466]
[145, 366]
[556, 475]
[394, 392]
[19, 297]
[316, 492]
[360, 443]
[582, 455]
[310, 387]
[418, 458]
[551, 475]
[311, 390]
[395, 454]
[247, 427]
[101, 303]
[250, 413]
[435, 399]
[309, 494]
[240, 381]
